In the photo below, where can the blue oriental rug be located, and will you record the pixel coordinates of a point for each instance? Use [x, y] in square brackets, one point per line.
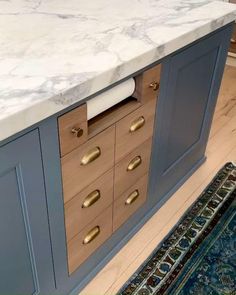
[199, 255]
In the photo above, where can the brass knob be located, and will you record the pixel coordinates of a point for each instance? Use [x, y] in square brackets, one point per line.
[233, 41]
[137, 124]
[133, 164]
[91, 235]
[92, 198]
[78, 132]
[154, 85]
[90, 156]
[132, 197]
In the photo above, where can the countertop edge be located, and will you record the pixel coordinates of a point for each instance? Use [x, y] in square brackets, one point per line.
[38, 111]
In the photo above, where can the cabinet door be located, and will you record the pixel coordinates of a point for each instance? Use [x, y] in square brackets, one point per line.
[191, 80]
[25, 253]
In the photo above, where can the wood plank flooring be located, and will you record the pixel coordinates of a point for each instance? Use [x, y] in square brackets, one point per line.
[221, 148]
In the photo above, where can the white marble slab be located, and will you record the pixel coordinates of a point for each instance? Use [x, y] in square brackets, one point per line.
[54, 53]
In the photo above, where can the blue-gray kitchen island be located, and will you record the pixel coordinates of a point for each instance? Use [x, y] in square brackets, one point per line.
[80, 174]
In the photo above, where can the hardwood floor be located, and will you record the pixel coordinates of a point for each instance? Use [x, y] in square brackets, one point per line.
[221, 148]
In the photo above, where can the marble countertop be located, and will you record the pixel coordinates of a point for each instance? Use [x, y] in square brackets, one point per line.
[54, 53]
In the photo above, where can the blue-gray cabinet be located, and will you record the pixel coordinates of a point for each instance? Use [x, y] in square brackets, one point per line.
[186, 105]
[26, 265]
[33, 253]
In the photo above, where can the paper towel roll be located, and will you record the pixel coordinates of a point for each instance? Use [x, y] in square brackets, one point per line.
[109, 98]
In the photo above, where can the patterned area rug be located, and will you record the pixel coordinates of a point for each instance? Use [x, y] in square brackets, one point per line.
[199, 255]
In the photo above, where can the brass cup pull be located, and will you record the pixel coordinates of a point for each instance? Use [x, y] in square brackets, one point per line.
[137, 124]
[132, 197]
[91, 235]
[78, 132]
[90, 156]
[154, 85]
[233, 41]
[133, 164]
[92, 198]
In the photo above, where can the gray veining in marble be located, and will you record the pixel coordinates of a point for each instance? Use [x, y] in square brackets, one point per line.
[54, 53]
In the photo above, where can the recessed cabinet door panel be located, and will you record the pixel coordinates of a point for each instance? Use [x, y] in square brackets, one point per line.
[25, 253]
[191, 84]
[191, 80]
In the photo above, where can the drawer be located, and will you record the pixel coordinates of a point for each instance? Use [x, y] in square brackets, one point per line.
[89, 239]
[72, 129]
[88, 204]
[138, 162]
[129, 202]
[232, 47]
[148, 84]
[134, 129]
[86, 163]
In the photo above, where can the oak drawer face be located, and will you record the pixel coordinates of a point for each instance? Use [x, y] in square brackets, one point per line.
[86, 163]
[89, 239]
[134, 129]
[232, 47]
[129, 202]
[148, 84]
[132, 167]
[151, 82]
[88, 204]
[72, 129]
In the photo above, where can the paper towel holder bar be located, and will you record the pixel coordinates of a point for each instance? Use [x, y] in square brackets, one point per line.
[147, 86]
[112, 115]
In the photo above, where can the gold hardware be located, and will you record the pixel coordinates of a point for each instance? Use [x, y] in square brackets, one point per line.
[137, 124]
[134, 163]
[233, 41]
[154, 85]
[92, 155]
[132, 197]
[77, 131]
[91, 235]
[92, 198]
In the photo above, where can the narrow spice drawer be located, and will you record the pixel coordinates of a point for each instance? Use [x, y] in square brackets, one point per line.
[73, 129]
[86, 163]
[232, 47]
[88, 204]
[132, 167]
[148, 84]
[129, 202]
[134, 129]
[89, 239]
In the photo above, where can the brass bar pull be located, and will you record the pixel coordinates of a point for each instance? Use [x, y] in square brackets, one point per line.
[92, 198]
[132, 197]
[154, 85]
[137, 124]
[91, 235]
[78, 132]
[92, 155]
[134, 163]
[233, 41]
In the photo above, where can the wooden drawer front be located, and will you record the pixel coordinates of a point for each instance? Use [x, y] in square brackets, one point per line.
[78, 251]
[129, 202]
[148, 84]
[72, 129]
[81, 210]
[124, 178]
[76, 173]
[127, 140]
[233, 41]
